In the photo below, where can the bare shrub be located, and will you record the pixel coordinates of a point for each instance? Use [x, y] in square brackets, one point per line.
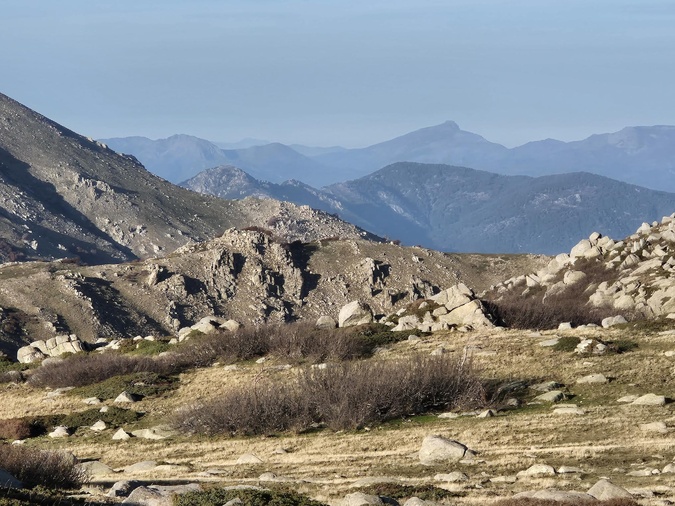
[40, 467]
[80, 370]
[15, 428]
[348, 395]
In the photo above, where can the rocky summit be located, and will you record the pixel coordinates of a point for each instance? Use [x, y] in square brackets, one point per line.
[63, 195]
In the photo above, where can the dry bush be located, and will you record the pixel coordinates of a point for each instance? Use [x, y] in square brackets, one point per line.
[348, 395]
[40, 467]
[15, 428]
[548, 502]
[80, 370]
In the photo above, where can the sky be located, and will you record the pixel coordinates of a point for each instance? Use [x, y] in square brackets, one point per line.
[350, 73]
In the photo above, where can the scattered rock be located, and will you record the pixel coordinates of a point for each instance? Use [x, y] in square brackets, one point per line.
[453, 477]
[537, 470]
[568, 410]
[123, 488]
[627, 398]
[670, 468]
[361, 499]
[125, 397]
[569, 470]
[659, 427]
[649, 400]
[98, 426]
[121, 435]
[141, 467]
[488, 413]
[552, 396]
[60, 431]
[326, 322]
[546, 386]
[437, 449]
[613, 320]
[249, 458]
[604, 490]
[549, 342]
[146, 496]
[96, 468]
[593, 379]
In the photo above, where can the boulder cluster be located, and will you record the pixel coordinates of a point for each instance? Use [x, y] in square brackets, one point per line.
[54, 347]
[635, 275]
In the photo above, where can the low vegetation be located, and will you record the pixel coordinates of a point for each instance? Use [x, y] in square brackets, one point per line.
[402, 492]
[219, 496]
[349, 395]
[292, 342]
[35, 467]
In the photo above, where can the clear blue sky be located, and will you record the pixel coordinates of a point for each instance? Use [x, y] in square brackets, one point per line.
[341, 72]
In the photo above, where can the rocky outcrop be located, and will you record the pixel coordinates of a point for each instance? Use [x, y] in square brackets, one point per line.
[53, 347]
[635, 275]
[454, 307]
[355, 313]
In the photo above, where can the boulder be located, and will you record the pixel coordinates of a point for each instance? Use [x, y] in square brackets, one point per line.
[28, 354]
[326, 322]
[613, 320]
[60, 431]
[361, 499]
[121, 435]
[9, 481]
[125, 397]
[581, 248]
[123, 488]
[146, 496]
[649, 400]
[437, 450]
[355, 313]
[552, 396]
[593, 379]
[573, 277]
[96, 468]
[231, 325]
[98, 426]
[605, 490]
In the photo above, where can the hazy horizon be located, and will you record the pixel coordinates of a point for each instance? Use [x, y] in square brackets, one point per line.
[342, 73]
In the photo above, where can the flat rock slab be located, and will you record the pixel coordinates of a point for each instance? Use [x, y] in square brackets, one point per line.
[537, 470]
[552, 396]
[593, 379]
[649, 400]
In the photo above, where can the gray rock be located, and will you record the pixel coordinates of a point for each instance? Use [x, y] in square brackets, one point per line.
[141, 467]
[249, 458]
[604, 490]
[593, 379]
[96, 468]
[146, 496]
[125, 397]
[326, 322]
[98, 426]
[549, 342]
[121, 435]
[355, 313]
[552, 396]
[649, 400]
[437, 449]
[613, 320]
[670, 468]
[361, 499]
[60, 431]
[453, 477]
[546, 386]
[123, 488]
[9, 481]
[537, 470]
[659, 427]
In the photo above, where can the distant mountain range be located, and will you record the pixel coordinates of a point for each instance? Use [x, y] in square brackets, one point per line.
[644, 156]
[460, 209]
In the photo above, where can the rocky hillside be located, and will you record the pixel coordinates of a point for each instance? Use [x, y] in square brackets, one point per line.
[248, 276]
[633, 278]
[459, 209]
[63, 195]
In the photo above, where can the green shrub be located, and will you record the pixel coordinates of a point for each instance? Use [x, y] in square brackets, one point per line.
[219, 496]
[144, 348]
[398, 492]
[622, 345]
[567, 344]
[142, 384]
